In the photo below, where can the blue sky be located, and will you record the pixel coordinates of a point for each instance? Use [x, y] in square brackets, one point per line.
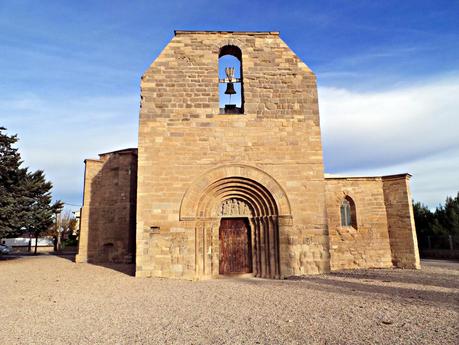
[388, 76]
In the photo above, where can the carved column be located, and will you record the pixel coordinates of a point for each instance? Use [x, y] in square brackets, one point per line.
[268, 246]
[275, 224]
[272, 247]
[215, 247]
[204, 247]
[272, 261]
[196, 250]
[254, 243]
[262, 241]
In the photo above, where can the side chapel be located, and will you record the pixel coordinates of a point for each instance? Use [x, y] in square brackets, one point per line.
[228, 177]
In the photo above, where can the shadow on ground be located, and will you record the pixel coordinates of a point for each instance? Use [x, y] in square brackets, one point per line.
[64, 255]
[128, 269]
[9, 257]
[19, 255]
[447, 299]
[443, 279]
[425, 287]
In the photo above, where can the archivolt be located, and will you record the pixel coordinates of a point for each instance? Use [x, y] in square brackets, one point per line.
[254, 194]
[257, 188]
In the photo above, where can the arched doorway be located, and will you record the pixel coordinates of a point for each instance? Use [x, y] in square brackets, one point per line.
[239, 192]
[230, 199]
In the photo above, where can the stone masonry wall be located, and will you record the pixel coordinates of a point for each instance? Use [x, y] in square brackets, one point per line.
[402, 231]
[182, 136]
[107, 232]
[366, 246]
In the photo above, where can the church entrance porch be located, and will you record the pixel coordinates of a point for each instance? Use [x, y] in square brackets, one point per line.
[235, 246]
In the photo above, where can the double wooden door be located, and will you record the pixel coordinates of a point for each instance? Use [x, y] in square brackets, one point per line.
[235, 246]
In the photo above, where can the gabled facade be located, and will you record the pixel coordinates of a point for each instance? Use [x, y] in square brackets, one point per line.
[241, 188]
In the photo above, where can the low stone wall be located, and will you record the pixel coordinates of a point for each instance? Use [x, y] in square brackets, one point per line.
[25, 249]
[365, 245]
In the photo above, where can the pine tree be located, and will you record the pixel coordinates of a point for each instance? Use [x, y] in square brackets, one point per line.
[25, 197]
[439, 225]
[37, 200]
[424, 220]
[450, 215]
[11, 186]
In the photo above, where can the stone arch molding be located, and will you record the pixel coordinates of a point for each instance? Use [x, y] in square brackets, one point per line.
[235, 191]
[249, 184]
[340, 196]
[228, 42]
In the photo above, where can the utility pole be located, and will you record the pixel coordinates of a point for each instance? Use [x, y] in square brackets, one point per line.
[55, 231]
[59, 231]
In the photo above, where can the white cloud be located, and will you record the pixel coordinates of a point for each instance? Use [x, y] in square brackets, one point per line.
[56, 136]
[434, 177]
[411, 129]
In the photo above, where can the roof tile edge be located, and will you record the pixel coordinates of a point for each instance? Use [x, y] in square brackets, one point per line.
[340, 177]
[184, 32]
[121, 151]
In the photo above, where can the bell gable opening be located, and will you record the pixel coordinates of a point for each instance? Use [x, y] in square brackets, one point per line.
[231, 89]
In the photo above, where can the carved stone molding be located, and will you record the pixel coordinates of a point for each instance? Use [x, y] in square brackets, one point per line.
[234, 207]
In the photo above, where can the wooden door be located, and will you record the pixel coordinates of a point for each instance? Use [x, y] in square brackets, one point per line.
[235, 246]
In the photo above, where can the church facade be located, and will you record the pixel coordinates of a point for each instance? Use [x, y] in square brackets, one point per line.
[237, 189]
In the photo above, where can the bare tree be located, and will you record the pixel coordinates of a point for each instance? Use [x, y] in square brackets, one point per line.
[64, 226]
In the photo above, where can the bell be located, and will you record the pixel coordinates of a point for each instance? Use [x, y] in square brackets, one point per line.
[230, 89]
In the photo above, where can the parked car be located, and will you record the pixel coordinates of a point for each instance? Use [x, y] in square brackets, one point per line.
[4, 249]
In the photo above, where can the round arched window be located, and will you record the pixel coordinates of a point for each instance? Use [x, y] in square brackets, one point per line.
[348, 212]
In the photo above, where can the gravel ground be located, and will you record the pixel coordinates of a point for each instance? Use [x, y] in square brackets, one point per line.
[51, 300]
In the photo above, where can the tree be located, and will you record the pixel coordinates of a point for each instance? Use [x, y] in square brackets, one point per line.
[37, 199]
[424, 219]
[25, 197]
[63, 228]
[442, 225]
[448, 215]
[11, 186]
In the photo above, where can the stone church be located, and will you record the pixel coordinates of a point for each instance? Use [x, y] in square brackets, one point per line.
[218, 188]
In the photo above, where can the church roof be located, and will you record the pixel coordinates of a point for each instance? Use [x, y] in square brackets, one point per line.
[350, 177]
[128, 150]
[181, 32]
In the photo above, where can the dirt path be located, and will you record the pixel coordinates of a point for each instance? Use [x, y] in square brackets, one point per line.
[51, 300]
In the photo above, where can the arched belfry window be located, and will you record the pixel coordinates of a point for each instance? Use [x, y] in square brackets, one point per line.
[231, 88]
[348, 213]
